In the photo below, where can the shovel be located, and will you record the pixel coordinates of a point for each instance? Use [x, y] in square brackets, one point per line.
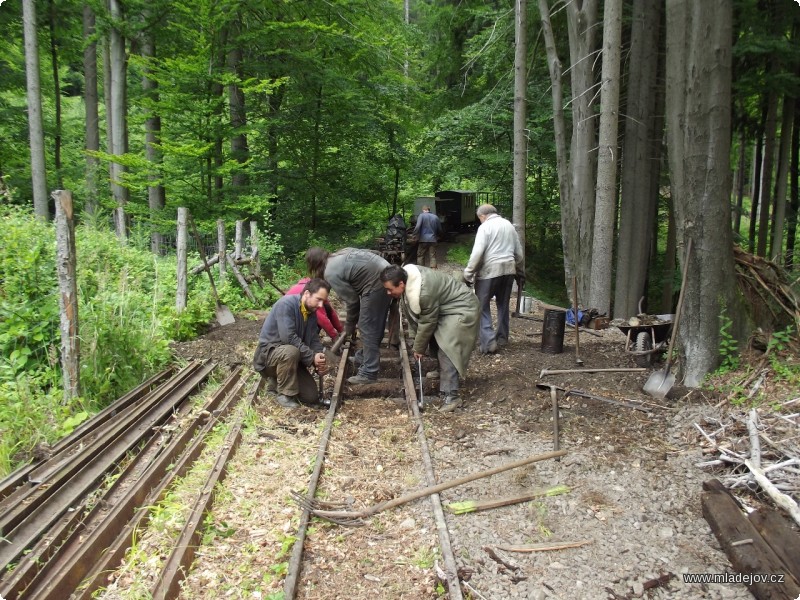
[660, 382]
[224, 315]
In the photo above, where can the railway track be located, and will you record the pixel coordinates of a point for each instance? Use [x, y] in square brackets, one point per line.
[68, 520]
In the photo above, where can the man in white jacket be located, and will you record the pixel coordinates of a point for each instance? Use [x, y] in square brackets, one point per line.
[497, 258]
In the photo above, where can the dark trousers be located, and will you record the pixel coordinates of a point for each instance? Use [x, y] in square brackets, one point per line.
[372, 324]
[283, 363]
[498, 288]
[448, 374]
[426, 254]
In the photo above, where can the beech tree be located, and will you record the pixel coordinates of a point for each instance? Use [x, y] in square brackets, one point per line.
[641, 157]
[35, 127]
[90, 101]
[607, 157]
[698, 61]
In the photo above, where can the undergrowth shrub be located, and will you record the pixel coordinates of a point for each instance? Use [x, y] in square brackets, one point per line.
[126, 319]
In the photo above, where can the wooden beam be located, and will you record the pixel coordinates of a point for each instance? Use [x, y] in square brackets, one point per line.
[729, 525]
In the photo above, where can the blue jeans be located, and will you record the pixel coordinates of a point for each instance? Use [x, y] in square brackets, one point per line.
[498, 288]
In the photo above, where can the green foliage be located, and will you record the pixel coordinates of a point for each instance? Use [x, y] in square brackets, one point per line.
[781, 358]
[126, 317]
[728, 346]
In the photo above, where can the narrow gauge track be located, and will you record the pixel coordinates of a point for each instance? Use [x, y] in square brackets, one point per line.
[67, 520]
[295, 568]
[312, 502]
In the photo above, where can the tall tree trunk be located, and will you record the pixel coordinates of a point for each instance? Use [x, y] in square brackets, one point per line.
[520, 117]
[577, 216]
[156, 195]
[779, 205]
[608, 153]
[316, 155]
[90, 100]
[274, 107]
[699, 37]
[794, 189]
[236, 100]
[737, 217]
[641, 166]
[559, 120]
[35, 127]
[758, 155]
[118, 115]
[56, 93]
[765, 195]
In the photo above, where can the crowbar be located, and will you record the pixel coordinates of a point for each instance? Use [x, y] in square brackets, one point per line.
[562, 371]
[421, 401]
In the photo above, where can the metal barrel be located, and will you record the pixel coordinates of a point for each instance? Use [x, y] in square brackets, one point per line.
[553, 331]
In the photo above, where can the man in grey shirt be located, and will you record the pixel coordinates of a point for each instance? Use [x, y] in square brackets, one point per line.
[496, 258]
[355, 276]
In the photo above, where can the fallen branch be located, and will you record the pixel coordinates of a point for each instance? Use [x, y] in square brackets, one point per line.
[544, 547]
[755, 444]
[781, 499]
[345, 517]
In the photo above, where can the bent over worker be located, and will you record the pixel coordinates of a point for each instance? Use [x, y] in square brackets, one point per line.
[354, 275]
[442, 312]
[289, 345]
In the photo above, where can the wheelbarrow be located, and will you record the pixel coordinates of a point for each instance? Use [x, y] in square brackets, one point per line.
[646, 336]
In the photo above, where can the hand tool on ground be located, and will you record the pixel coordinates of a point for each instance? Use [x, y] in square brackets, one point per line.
[578, 360]
[660, 382]
[554, 402]
[582, 394]
[562, 371]
[355, 517]
[224, 315]
[421, 399]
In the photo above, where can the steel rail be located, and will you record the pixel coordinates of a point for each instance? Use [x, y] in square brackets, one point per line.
[71, 486]
[448, 557]
[182, 555]
[113, 555]
[295, 566]
[67, 444]
[57, 573]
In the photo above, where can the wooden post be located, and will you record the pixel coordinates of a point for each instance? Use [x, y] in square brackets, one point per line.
[68, 296]
[240, 278]
[237, 254]
[254, 254]
[181, 249]
[221, 247]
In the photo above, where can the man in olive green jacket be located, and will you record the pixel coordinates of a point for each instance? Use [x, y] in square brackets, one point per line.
[442, 312]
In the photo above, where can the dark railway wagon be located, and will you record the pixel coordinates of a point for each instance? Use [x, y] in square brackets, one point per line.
[456, 210]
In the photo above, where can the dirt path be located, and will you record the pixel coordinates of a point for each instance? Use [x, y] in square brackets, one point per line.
[634, 496]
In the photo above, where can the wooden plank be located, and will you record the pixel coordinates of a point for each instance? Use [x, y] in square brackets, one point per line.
[730, 526]
[778, 533]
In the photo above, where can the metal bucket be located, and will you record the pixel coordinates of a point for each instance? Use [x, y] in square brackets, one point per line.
[553, 331]
[527, 304]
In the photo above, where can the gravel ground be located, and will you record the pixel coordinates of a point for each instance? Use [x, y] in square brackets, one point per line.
[633, 500]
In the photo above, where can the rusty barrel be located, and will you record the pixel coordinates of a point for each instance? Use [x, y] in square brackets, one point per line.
[553, 331]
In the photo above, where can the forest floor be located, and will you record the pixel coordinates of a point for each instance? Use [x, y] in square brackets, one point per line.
[633, 505]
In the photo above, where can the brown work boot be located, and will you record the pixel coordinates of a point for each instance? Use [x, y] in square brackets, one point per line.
[451, 402]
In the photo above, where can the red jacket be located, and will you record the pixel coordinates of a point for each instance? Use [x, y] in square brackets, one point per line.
[326, 315]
